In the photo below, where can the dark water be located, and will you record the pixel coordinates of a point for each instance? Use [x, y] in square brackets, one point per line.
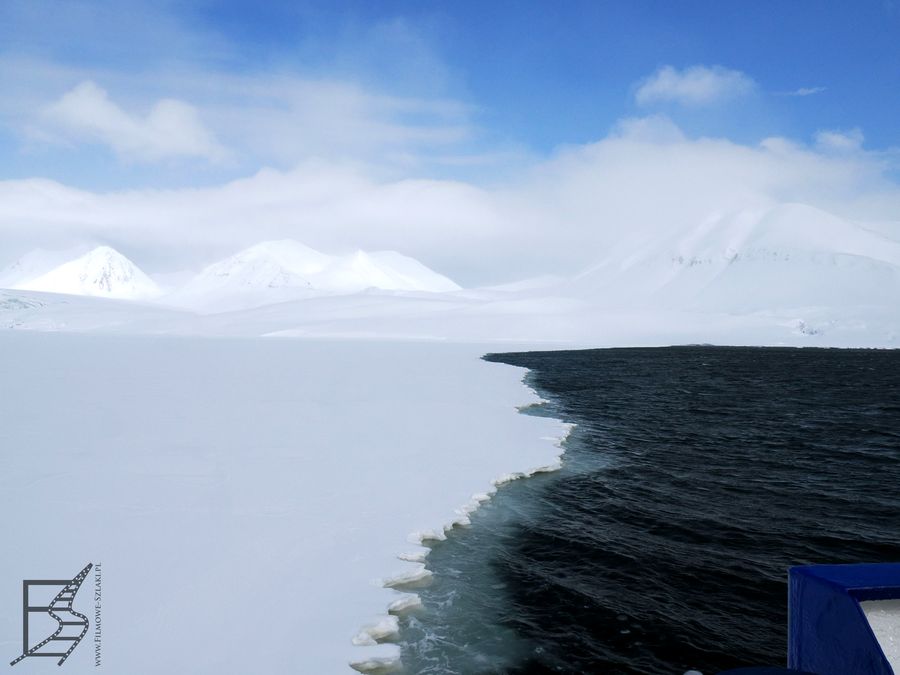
[695, 478]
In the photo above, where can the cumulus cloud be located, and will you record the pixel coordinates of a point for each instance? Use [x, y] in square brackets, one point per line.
[693, 86]
[373, 92]
[244, 121]
[840, 141]
[287, 119]
[171, 128]
[645, 181]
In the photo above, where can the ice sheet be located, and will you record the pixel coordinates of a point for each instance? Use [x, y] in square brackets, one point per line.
[248, 498]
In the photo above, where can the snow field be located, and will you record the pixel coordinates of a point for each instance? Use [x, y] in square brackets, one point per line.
[257, 505]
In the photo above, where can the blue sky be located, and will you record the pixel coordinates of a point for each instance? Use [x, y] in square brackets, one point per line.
[525, 77]
[549, 73]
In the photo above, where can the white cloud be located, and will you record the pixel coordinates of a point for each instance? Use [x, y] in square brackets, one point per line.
[840, 141]
[366, 93]
[286, 119]
[248, 120]
[170, 129]
[693, 86]
[652, 128]
[647, 180]
[806, 91]
[372, 92]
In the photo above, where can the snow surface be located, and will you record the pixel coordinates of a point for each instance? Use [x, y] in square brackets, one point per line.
[884, 619]
[248, 499]
[539, 320]
[101, 272]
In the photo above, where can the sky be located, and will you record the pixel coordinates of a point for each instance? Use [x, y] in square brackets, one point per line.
[441, 129]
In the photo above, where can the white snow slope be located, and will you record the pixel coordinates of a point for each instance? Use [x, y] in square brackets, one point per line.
[789, 256]
[276, 271]
[101, 272]
[247, 499]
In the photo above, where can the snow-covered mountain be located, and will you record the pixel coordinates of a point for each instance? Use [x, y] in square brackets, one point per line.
[271, 264]
[788, 256]
[267, 273]
[277, 271]
[102, 272]
[387, 270]
[789, 269]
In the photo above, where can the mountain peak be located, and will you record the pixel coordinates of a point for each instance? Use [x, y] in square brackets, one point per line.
[275, 271]
[102, 271]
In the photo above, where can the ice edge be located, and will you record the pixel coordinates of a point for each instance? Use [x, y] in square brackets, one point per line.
[386, 628]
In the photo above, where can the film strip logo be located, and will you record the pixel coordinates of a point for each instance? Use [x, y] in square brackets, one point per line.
[72, 626]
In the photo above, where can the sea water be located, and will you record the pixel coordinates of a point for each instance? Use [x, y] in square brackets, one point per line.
[695, 477]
